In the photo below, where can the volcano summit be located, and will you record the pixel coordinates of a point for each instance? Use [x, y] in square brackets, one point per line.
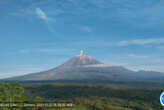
[80, 60]
[84, 67]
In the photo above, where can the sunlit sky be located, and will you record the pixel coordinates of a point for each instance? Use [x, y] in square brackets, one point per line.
[37, 35]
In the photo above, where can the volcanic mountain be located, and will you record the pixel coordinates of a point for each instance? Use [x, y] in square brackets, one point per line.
[79, 61]
[84, 67]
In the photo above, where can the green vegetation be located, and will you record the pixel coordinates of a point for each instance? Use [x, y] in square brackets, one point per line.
[11, 92]
[84, 96]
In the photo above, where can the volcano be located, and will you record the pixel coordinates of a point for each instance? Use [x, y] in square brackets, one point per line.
[84, 67]
[80, 61]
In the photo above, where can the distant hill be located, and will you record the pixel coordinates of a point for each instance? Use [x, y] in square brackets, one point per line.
[84, 67]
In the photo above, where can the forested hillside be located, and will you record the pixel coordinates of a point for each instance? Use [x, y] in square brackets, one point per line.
[84, 96]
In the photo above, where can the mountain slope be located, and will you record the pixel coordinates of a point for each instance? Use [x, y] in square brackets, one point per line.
[80, 60]
[84, 67]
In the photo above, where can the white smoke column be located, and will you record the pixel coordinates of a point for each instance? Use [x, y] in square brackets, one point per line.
[81, 52]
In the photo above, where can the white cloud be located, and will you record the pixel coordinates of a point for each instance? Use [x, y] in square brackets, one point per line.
[138, 56]
[54, 51]
[158, 68]
[158, 42]
[150, 41]
[86, 28]
[140, 66]
[41, 14]
[48, 21]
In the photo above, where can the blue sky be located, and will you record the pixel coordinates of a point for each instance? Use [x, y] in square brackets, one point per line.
[36, 35]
